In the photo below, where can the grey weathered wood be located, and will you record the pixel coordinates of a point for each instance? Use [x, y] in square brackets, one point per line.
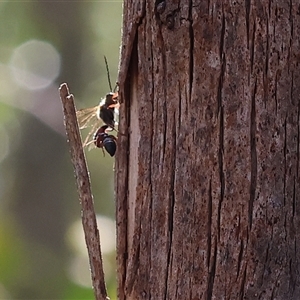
[88, 215]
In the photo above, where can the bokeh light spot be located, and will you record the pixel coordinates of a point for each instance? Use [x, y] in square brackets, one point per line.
[107, 230]
[35, 64]
[78, 269]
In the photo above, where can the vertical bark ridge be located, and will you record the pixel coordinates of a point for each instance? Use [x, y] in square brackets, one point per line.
[298, 140]
[212, 272]
[191, 53]
[243, 282]
[171, 215]
[222, 37]
[247, 18]
[221, 119]
[253, 157]
[221, 171]
[285, 161]
[240, 258]
[252, 52]
[209, 224]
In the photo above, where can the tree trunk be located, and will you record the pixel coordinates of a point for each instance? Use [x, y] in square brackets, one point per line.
[207, 168]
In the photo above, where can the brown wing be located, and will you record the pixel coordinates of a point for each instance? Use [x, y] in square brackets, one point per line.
[87, 117]
[89, 140]
[91, 117]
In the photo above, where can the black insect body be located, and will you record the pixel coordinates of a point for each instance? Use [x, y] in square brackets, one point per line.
[105, 112]
[106, 109]
[102, 113]
[102, 139]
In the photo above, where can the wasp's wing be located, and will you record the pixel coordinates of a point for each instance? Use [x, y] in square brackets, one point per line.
[87, 117]
[89, 141]
[93, 117]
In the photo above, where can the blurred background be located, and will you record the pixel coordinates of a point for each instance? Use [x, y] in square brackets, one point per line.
[43, 44]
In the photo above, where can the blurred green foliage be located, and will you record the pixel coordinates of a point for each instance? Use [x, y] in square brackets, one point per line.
[38, 198]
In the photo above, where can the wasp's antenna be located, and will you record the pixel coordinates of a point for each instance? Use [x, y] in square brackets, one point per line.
[116, 87]
[107, 71]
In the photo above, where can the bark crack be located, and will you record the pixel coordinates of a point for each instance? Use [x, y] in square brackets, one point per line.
[222, 37]
[221, 123]
[240, 258]
[252, 48]
[209, 224]
[291, 24]
[285, 163]
[171, 207]
[221, 171]
[294, 197]
[242, 289]
[267, 49]
[276, 88]
[298, 137]
[164, 112]
[152, 135]
[266, 264]
[253, 155]
[212, 273]
[191, 62]
[247, 8]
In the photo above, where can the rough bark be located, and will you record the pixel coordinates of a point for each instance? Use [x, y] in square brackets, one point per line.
[207, 168]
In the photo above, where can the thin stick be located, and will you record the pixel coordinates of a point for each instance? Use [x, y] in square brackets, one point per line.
[85, 195]
[107, 71]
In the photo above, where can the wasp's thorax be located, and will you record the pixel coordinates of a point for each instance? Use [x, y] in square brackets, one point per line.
[106, 110]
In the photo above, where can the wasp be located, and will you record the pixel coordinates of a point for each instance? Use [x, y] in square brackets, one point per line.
[103, 139]
[93, 117]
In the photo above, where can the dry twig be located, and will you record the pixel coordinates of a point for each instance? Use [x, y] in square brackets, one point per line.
[85, 196]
